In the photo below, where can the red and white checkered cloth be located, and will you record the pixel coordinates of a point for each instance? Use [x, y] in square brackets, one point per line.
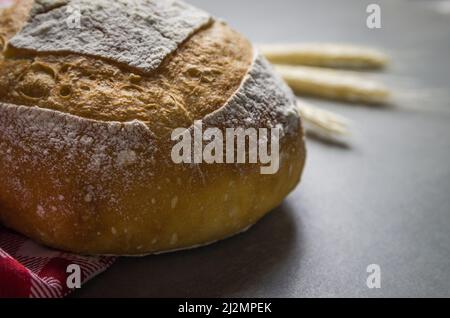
[31, 270]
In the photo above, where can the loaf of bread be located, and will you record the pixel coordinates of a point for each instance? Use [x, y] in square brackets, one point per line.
[90, 93]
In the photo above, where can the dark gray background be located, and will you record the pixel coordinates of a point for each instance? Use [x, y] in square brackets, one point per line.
[382, 199]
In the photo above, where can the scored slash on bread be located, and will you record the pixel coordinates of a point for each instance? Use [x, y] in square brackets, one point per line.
[199, 78]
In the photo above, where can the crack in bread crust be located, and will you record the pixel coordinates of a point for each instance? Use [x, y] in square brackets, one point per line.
[197, 79]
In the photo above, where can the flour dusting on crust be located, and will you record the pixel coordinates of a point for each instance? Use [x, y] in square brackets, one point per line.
[54, 142]
[263, 100]
[138, 33]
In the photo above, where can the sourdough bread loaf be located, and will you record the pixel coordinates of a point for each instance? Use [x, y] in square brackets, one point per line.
[86, 115]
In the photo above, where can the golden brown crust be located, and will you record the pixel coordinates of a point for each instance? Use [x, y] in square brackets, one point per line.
[96, 183]
[174, 208]
[202, 74]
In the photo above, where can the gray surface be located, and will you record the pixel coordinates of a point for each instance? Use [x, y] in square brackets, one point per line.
[385, 199]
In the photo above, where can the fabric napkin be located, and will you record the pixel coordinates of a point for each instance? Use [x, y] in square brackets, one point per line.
[30, 270]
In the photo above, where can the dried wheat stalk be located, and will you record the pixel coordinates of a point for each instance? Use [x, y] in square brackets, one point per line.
[332, 84]
[325, 54]
[323, 122]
